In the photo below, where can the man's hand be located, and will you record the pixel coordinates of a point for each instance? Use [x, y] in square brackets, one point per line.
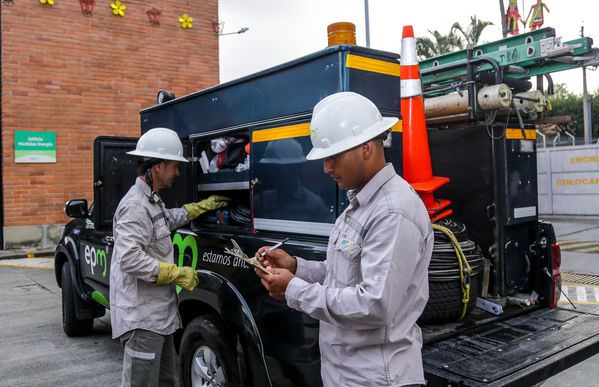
[277, 258]
[184, 276]
[212, 203]
[276, 282]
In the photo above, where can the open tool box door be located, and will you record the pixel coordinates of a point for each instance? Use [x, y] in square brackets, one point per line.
[114, 174]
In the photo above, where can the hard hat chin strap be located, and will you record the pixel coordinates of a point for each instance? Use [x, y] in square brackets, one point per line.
[145, 164]
[150, 181]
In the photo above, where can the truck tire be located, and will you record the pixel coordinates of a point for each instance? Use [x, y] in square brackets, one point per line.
[71, 325]
[445, 301]
[445, 289]
[206, 357]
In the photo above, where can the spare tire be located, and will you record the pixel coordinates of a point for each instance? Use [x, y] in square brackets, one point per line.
[445, 286]
[445, 301]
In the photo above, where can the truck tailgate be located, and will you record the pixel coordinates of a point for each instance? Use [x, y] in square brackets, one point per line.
[518, 351]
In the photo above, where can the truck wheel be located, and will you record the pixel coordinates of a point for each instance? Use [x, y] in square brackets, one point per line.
[71, 325]
[445, 288]
[445, 301]
[207, 358]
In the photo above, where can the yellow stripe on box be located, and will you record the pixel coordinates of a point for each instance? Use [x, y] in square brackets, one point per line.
[298, 130]
[516, 134]
[373, 65]
[282, 132]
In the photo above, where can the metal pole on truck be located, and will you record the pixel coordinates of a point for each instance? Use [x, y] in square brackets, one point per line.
[503, 21]
[367, 17]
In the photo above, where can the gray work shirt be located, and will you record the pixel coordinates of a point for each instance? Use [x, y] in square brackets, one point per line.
[142, 237]
[371, 288]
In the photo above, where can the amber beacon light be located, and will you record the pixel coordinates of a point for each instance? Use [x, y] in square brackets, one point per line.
[341, 33]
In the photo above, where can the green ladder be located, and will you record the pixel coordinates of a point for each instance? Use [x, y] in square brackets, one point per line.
[521, 56]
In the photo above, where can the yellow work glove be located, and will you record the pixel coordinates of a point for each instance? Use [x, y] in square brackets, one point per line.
[212, 203]
[184, 276]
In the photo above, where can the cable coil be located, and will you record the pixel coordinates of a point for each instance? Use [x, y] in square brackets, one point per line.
[453, 273]
[465, 269]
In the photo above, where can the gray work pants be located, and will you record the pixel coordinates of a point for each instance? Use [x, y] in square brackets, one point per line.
[149, 359]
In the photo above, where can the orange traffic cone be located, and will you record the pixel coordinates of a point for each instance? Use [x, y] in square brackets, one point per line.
[416, 155]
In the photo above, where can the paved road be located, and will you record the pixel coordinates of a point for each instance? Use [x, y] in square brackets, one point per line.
[579, 239]
[35, 351]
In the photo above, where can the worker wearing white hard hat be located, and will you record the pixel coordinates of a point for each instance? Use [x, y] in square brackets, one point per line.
[373, 286]
[143, 275]
[342, 121]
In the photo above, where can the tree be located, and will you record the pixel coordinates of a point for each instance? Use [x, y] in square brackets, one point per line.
[443, 44]
[564, 103]
[473, 31]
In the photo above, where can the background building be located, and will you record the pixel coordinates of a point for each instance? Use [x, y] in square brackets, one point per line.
[79, 77]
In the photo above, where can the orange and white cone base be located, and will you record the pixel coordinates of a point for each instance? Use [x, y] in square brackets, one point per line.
[417, 168]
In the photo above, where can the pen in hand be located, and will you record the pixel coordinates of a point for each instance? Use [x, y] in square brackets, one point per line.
[262, 254]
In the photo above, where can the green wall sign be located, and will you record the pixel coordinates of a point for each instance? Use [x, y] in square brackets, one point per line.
[35, 147]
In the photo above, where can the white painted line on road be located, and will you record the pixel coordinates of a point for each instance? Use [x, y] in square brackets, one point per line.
[35, 263]
[566, 290]
[570, 291]
[578, 294]
[581, 294]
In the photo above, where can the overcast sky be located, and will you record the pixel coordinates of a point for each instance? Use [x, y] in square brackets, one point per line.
[283, 30]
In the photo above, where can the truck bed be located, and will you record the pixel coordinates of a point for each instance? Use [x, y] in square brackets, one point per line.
[520, 350]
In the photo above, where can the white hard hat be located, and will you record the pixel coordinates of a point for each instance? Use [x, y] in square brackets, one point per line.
[159, 143]
[342, 121]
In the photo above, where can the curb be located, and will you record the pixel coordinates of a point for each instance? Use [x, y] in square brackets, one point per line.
[570, 218]
[32, 253]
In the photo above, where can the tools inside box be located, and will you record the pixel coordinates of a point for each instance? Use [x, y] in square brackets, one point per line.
[223, 169]
[225, 154]
[236, 213]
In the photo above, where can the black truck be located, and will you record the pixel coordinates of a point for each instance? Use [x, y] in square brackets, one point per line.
[513, 331]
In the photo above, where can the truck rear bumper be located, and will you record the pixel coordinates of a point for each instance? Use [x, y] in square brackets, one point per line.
[518, 351]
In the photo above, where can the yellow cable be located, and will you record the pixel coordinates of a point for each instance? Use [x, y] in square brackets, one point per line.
[463, 262]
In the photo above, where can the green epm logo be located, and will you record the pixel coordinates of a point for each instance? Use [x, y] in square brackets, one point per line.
[96, 257]
[182, 244]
